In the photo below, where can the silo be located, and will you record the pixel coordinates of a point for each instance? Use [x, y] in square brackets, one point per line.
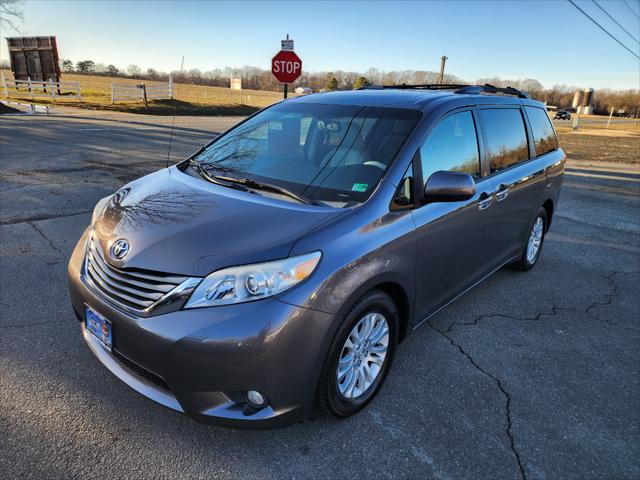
[587, 100]
[577, 99]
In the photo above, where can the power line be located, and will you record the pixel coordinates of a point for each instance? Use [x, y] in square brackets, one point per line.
[605, 30]
[616, 22]
[631, 8]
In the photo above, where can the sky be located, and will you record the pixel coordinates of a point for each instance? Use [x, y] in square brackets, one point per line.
[550, 41]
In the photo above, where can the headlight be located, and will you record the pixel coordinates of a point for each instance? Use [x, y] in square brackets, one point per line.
[99, 208]
[252, 282]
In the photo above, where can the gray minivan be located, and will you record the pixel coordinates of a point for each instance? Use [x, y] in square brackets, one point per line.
[280, 265]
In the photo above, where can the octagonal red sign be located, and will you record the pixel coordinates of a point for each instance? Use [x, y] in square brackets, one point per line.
[286, 66]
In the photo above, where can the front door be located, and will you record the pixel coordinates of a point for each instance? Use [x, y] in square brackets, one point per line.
[455, 242]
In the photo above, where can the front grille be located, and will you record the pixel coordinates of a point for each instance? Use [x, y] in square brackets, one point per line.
[141, 371]
[132, 287]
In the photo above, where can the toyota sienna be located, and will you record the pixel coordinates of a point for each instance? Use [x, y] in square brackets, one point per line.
[280, 266]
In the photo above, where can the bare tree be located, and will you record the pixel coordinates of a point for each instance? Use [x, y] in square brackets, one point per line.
[134, 70]
[11, 14]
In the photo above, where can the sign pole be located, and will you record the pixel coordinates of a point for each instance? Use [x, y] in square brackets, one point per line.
[286, 66]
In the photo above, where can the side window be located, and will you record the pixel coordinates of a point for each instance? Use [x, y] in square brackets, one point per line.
[404, 195]
[452, 146]
[506, 137]
[543, 133]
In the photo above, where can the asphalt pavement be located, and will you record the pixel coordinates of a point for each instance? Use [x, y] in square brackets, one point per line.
[529, 375]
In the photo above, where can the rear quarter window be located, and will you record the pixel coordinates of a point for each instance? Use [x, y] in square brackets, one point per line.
[543, 134]
[506, 137]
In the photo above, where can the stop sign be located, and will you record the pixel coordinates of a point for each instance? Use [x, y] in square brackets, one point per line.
[286, 66]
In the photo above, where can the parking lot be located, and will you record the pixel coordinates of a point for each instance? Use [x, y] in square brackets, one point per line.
[529, 375]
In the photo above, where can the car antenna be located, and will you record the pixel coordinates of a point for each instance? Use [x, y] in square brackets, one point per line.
[173, 120]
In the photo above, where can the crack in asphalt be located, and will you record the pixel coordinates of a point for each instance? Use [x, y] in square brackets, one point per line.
[43, 235]
[608, 296]
[608, 300]
[39, 218]
[500, 387]
[554, 311]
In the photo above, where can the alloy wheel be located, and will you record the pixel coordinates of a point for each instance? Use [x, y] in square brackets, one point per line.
[535, 240]
[363, 355]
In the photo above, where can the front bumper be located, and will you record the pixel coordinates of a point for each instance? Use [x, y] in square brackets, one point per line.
[202, 361]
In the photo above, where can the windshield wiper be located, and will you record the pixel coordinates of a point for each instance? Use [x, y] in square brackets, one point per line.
[253, 184]
[213, 179]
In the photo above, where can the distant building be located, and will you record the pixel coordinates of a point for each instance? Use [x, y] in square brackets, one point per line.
[582, 101]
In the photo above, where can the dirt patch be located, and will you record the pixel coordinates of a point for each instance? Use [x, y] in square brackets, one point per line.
[601, 148]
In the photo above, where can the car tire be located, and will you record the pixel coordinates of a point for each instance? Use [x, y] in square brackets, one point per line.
[533, 243]
[336, 395]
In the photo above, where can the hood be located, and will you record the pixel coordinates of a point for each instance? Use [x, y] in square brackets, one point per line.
[179, 224]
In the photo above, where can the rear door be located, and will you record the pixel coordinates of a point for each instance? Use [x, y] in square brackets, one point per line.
[518, 181]
[454, 239]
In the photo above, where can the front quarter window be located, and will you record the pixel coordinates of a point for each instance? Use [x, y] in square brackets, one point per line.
[334, 154]
[403, 197]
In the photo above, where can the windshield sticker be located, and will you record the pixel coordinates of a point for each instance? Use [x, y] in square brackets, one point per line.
[359, 187]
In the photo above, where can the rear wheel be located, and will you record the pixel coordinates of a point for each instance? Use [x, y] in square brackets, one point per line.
[360, 355]
[534, 242]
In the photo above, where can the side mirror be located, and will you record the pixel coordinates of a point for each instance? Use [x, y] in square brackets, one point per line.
[449, 187]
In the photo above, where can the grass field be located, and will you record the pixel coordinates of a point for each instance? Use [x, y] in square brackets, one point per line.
[598, 123]
[594, 142]
[189, 99]
[601, 148]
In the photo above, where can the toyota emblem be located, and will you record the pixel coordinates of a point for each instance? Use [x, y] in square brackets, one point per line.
[119, 249]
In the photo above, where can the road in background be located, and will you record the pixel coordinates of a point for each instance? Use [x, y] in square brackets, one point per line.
[530, 374]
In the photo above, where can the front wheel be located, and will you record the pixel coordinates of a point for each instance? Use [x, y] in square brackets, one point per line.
[534, 242]
[360, 355]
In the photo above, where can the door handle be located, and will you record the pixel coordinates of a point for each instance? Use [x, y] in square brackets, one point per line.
[502, 193]
[486, 200]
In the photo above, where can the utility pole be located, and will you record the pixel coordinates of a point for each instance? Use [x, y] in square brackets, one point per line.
[443, 60]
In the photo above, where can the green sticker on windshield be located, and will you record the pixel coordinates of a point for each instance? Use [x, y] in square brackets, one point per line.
[359, 187]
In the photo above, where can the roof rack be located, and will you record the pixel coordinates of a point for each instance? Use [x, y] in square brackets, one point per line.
[427, 86]
[464, 89]
[488, 88]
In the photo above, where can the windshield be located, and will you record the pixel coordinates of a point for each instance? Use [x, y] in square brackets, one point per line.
[335, 154]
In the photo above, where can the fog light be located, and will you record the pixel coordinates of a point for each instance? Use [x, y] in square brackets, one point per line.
[255, 398]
